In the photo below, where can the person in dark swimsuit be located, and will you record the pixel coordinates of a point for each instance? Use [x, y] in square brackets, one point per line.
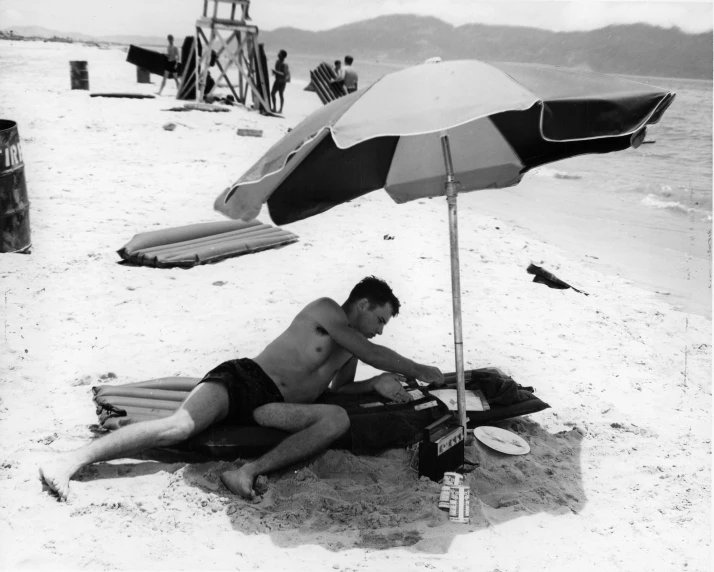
[281, 73]
[320, 349]
[171, 71]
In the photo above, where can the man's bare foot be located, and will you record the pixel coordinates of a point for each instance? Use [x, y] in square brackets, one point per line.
[239, 482]
[56, 475]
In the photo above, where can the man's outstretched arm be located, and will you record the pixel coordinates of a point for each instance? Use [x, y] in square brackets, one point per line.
[387, 384]
[333, 319]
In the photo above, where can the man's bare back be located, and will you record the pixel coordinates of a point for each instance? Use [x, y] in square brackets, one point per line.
[172, 53]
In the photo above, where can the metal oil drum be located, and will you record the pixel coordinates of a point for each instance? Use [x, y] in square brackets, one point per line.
[79, 75]
[14, 205]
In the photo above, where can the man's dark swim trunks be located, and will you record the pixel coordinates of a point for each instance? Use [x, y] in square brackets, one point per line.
[171, 67]
[248, 388]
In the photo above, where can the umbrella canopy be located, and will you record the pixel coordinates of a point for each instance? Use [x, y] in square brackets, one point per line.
[502, 120]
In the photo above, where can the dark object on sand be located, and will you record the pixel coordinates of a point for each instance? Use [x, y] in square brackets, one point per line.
[199, 107]
[14, 204]
[143, 75]
[124, 95]
[206, 107]
[195, 244]
[79, 75]
[551, 280]
[375, 423]
[187, 71]
[250, 132]
[260, 62]
[149, 60]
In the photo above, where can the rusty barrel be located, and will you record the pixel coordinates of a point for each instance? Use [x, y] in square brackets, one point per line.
[143, 75]
[14, 205]
[79, 75]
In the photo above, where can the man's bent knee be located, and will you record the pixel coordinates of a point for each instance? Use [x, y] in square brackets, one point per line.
[336, 420]
[176, 428]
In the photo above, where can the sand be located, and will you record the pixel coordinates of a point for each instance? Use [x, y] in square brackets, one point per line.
[619, 473]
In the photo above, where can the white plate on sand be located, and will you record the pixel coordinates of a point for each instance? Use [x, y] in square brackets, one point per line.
[502, 440]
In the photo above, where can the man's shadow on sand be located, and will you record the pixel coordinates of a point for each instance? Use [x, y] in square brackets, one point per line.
[340, 501]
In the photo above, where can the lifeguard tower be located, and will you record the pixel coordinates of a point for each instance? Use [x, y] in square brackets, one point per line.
[226, 38]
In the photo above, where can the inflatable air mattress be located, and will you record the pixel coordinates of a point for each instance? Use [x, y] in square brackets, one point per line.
[321, 79]
[195, 244]
[375, 424]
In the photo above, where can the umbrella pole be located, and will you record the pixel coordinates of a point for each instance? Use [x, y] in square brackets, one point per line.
[451, 194]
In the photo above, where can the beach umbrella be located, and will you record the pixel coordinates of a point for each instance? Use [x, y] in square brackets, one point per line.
[439, 129]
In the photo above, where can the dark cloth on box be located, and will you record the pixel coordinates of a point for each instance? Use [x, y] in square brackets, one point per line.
[505, 397]
[497, 387]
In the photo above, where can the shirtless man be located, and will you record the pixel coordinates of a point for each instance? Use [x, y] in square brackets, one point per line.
[172, 55]
[347, 76]
[276, 389]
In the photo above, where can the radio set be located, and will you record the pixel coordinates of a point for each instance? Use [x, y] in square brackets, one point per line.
[441, 449]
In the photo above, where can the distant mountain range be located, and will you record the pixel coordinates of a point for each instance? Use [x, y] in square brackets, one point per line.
[636, 49]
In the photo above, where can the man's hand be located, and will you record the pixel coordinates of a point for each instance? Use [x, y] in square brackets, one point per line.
[388, 385]
[430, 374]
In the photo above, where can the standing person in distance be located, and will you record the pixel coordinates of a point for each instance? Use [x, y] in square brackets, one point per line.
[347, 75]
[174, 59]
[281, 73]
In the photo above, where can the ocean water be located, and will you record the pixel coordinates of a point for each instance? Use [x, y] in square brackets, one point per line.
[675, 172]
[655, 202]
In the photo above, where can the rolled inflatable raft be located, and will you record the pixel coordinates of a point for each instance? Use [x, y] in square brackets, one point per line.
[201, 243]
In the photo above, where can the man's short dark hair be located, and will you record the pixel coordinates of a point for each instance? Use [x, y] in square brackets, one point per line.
[170, 38]
[282, 54]
[349, 60]
[375, 290]
[338, 63]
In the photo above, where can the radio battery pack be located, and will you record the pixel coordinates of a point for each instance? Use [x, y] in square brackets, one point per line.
[441, 449]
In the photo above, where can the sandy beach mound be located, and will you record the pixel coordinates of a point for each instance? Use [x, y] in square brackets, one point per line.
[618, 477]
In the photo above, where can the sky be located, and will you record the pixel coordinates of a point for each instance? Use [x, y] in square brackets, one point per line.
[160, 17]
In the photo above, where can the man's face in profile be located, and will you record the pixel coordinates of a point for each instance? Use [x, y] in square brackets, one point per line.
[373, 318]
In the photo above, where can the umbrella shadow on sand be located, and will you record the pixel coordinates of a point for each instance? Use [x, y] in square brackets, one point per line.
[341, 501]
